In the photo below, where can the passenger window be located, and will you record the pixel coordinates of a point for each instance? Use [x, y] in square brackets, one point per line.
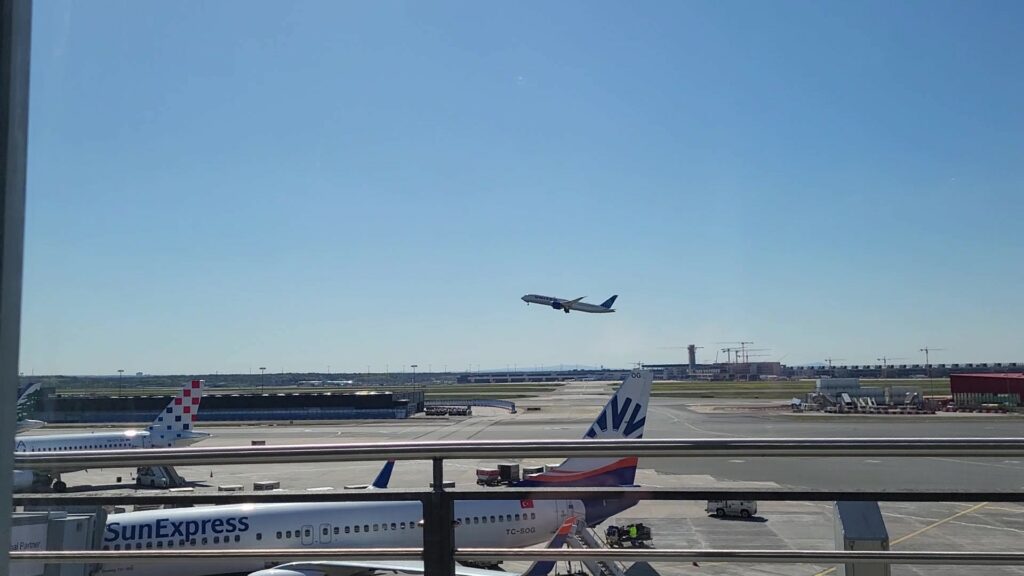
[476, 519]
[325, 531]
[106, 547]
[205, 540]
[138, 545]
[192, 542]
[403, 525]
[336, 531]
[117, 546]
[308, 533]
[484, 519]
[346, 529]
[384, 527]
[288, 534]
[181, 542]
[259, 536]
[393, 526]
[492, 519]
[238, 538]
[517, 517]
[170, 543]
[366, 527]
[279, 535]
[159, 543]
[216, 539]
[357, 529]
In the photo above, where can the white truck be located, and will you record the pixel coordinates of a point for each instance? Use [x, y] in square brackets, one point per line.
[723, 508]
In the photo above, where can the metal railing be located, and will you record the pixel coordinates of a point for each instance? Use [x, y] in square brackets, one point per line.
[439, 552]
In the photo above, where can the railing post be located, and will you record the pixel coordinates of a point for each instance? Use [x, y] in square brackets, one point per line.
[439, 528]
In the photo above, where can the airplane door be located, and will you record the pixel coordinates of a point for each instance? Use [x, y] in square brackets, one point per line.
[325, 533]
[307, 535]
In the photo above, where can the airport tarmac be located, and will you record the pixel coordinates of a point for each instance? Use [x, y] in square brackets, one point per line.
[793, 525]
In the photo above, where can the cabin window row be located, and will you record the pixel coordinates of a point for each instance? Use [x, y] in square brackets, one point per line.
[83, 447]
[206, 540]
[496, 519]
[338, 530]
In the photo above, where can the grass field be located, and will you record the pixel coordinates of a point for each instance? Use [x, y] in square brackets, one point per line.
[779, 389]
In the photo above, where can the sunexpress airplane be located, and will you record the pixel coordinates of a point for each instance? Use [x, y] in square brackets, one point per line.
[505, 523]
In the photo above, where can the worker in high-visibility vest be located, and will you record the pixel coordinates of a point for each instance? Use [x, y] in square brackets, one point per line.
[632, 531]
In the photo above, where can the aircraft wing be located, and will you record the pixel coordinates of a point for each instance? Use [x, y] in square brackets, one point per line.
[571, 303]
[361, 568]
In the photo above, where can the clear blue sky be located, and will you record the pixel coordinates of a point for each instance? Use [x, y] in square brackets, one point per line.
[217, 186]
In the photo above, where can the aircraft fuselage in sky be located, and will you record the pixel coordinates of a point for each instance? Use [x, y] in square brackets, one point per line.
[566, 305]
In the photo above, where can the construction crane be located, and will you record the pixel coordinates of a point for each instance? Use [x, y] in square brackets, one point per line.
[728, 354]
[885, 360]
[927, 350]
[831, 360]
[741, 352]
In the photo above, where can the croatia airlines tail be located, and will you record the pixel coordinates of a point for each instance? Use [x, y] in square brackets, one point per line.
[173, 426]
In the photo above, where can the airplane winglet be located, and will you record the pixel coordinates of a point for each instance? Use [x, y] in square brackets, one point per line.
[384, 476]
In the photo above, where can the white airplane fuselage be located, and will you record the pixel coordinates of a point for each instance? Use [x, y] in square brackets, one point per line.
[506, 523]
[565, 304]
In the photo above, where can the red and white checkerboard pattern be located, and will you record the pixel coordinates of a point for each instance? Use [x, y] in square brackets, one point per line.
[178, 417]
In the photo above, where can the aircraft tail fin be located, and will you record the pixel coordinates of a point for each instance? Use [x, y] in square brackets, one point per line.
[174, 424]
[623, 417]
[608, 303]
[384, 476]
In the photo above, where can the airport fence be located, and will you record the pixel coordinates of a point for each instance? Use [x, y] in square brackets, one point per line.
[439, 552]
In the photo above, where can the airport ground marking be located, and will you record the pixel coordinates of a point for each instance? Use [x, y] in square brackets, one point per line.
[920, 531]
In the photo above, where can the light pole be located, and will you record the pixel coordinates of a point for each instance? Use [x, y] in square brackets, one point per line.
[414, 366]
[263, 369]
[120, 382]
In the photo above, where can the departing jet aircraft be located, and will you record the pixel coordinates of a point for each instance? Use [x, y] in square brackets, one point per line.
[172, 427]
[482, 523]
[567, 305]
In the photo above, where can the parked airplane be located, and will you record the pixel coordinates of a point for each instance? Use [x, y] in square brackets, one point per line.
[24, 396]
[172, 427]
[567, 305]
[483, 523]
[538, 568]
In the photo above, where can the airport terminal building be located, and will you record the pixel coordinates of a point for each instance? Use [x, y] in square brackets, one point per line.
[66, 408]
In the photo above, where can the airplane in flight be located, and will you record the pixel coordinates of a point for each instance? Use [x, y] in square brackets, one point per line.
[483, 523]
[567, 305]
[172, 427]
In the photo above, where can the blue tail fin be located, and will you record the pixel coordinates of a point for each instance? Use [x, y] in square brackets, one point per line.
[608, 303]
[384, 476]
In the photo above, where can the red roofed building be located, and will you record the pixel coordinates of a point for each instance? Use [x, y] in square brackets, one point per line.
[975, 389]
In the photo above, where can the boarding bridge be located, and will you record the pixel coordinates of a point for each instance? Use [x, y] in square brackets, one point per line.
[56, 530]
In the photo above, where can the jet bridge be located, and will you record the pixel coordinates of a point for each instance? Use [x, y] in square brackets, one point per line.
[56, 530]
